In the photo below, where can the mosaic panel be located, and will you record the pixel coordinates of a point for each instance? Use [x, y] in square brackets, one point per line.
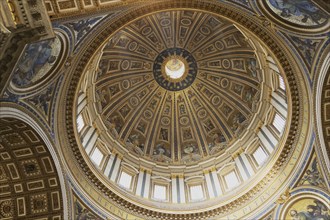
[309, 209]
[313, 175]
[36, 61]
[81, 211]
[82, 27]
[299, 12]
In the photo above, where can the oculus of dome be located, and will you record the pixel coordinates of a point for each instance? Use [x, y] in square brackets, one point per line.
[175, 69]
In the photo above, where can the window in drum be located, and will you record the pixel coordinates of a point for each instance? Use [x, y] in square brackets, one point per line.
[97, 156]
[160, 192]
[196, 192]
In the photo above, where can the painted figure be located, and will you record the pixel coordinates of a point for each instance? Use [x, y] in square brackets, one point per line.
[252, 67]
[162, 150]
[164, 134]
[304, 8]
[35, 57]
[300, 215]
[314, 212]
[82, 213]
[83, 26]
[307, 48]
[313, 176]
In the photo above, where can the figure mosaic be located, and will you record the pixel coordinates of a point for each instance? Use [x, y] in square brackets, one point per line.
[213, 22]
[208, 93]
[113, 66]
[316, 211]
[125, 110]
[307, 47]
[142, 127]
[167, 109]
[142, 94]
[182, 109]
[136, 143]
[103, 67]
[231, 41]
[187, 134]
[104, 97]
[37, 60]
[196, 104]
[164, 134]
[116, 122]
[215, 79]
[42, 100]
[153, 104]
[190, 148]
[82, 27]
[248, 95]
[82, 213]
[208, 125]
[122, 42]
[134, 139]
[237, 120]
[312, 175]
[226, 110]
[237, 89]
[238, 64]
[140, 23]
[218, 140]
[303, 12]
[252, 67]
[114, 89]
[161, 150]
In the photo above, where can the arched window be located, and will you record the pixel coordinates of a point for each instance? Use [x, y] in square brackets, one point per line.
[160, 192]
[125, 180]
[260, 156]
[231, 180]
[278, 122]
[97, 156]
[281, 82]
[80, 122]
[196, 192]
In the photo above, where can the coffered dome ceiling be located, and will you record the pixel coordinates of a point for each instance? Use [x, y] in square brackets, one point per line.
[177, 119]
[178, 100]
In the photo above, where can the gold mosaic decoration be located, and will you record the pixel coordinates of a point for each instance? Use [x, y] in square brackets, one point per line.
[181, 120]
